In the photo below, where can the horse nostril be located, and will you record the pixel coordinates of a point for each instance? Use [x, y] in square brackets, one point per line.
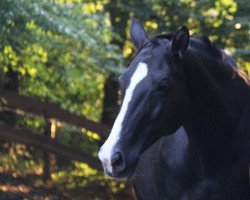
[117, 162]
[116, 159]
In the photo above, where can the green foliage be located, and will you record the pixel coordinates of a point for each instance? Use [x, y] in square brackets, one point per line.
[226, 22]
[80, 175]
[61, 51]
[18, 160]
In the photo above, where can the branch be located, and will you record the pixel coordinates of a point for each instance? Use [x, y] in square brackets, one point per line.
[45, 144]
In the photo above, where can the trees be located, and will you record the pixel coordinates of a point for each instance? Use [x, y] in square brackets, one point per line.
[226, 22]
[60, 49]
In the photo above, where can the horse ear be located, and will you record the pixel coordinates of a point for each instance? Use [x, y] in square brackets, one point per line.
[180, 41]
[137, 33]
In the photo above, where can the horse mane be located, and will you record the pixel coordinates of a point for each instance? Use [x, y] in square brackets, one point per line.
[206, 50]
[220, 68]
[167, 35]
[241, 74]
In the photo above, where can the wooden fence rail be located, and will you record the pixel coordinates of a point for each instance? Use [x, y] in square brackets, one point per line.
[13, 102]
[51, 111]
[25, 137]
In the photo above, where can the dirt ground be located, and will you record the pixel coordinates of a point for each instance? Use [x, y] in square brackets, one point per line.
[28, 188]
[20, 188]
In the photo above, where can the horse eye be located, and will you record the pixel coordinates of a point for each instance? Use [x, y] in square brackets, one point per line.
[163, 87]
[148, 44]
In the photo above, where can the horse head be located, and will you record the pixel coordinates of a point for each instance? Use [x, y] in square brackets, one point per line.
[154, 99]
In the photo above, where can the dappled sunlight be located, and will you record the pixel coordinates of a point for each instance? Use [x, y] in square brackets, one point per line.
[18, 161]
[82, 175]
[79, 175]
[21, 188]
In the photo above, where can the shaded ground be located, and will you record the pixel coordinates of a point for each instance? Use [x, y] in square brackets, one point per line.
[31, 188]
[20, 188]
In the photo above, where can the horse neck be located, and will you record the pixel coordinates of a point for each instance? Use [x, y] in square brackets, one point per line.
[207, 98]
[210, 122]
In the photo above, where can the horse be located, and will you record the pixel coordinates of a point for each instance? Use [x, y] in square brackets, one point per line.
[183, 131]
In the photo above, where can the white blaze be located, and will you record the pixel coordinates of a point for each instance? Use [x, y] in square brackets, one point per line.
[106, 150]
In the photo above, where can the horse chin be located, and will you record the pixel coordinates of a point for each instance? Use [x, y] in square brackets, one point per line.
[127, 174]
[121, 177]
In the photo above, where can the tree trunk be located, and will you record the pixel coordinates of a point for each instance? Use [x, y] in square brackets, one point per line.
[110, 102]
[10, 83]
[46, 155]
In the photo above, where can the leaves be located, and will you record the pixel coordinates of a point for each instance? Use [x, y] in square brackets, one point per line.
[226, 22]
[61, 52]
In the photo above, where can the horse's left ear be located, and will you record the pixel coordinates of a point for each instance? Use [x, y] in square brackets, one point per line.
[137, 33]
[180, 41]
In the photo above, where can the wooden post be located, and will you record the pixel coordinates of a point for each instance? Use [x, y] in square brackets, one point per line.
[48, 158]
[53, 136]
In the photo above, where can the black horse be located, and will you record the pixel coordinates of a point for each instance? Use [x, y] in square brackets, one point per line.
[187, 90]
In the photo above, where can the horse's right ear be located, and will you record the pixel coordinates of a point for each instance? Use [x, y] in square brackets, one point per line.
[137, 33]
[180, 41]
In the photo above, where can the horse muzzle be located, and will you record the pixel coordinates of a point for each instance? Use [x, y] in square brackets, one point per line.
[116, 165]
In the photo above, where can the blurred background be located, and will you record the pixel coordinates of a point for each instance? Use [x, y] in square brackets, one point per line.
[59, 64]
